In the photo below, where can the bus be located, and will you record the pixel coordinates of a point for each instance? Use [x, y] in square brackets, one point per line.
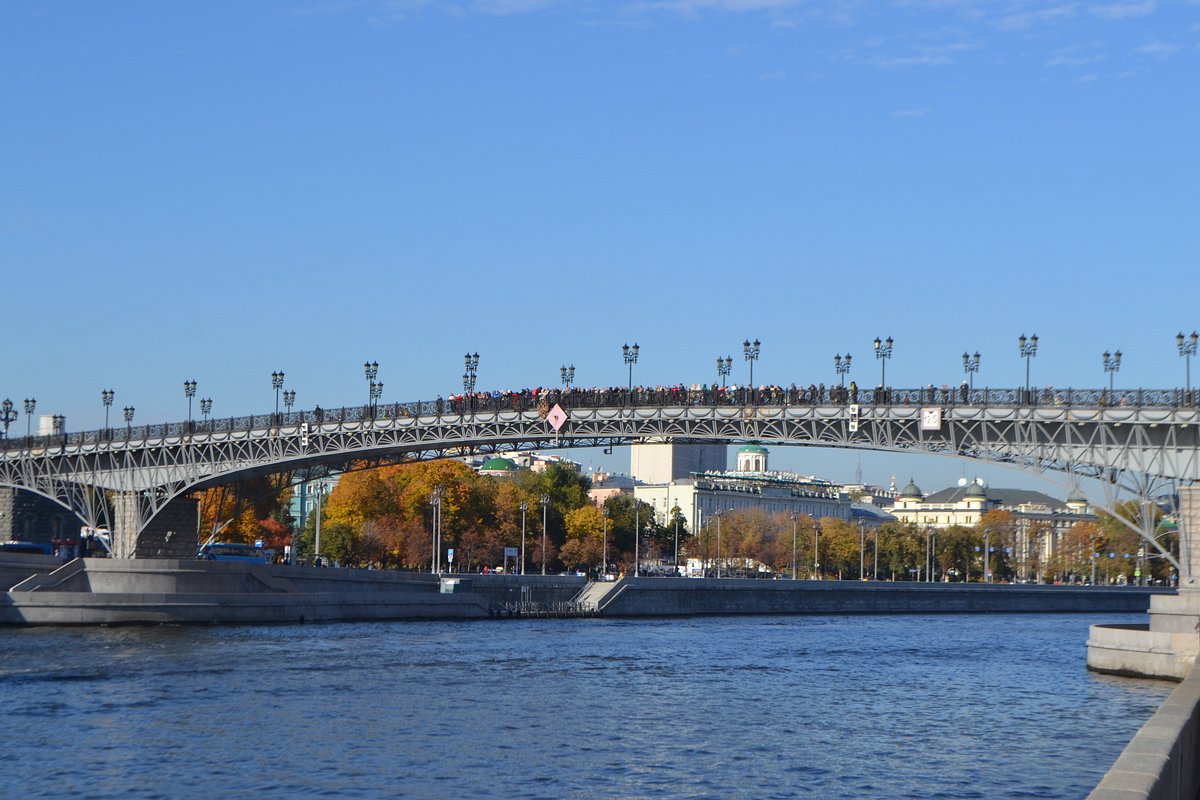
[235, 551]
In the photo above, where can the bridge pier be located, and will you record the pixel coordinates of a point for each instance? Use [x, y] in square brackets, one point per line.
[171, 533]
[1169, 645]
[1189, 537]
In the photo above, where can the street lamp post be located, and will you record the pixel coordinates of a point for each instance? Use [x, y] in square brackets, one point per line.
[637, 538]
[524, 508]
[277, 384]
[189, 391]
[816, 549]
[750, 351]
[604, 543]
[289, 399]
[322, 489]
[128, 421]
[471, 367]
[932, 554]
[106, 397]
[435, 501]
[842, 366]
[30, 406]
[545, 501]
[1186, 351]
[970, 367]
[987, 555]
[371, 372]
[862, 551]
[376, 393]
[7, 415]
[724, 367]
[875, 554]
[1112, 364]
[205, 409]
[676, 512]
[631, 357]
[567, 376]
[1028, 349]
[795, 517]
[883, 351]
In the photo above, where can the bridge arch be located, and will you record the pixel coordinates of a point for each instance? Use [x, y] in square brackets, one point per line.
[1147, 443]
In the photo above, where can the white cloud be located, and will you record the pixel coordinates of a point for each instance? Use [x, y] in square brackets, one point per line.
[1157, 49]
[691, 7]
[1029, 19]
[1115, 11]
[1076, 55]
[920, 55]
[507, 7]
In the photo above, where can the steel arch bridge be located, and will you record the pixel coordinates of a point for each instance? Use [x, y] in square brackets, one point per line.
[1139, 440]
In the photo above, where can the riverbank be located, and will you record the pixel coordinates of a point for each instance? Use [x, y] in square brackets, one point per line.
[156, 591]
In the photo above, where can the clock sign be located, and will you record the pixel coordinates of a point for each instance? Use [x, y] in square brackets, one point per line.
[931, 419]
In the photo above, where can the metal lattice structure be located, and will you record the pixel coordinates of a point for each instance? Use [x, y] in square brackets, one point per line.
[1132, 440]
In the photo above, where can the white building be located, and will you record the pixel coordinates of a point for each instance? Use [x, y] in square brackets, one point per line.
[661, 462]
[752, 486]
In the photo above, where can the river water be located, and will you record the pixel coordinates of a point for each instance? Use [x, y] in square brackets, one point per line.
[755, 707]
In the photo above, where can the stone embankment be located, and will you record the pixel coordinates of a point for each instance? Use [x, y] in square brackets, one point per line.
[113, 591]
[1162, 761]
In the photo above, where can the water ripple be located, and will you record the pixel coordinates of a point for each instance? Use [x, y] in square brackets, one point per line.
[773, 707]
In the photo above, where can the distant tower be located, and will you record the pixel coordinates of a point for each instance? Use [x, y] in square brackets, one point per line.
[752, 458]
[858, 472]
[662, 462]
[1077, 502]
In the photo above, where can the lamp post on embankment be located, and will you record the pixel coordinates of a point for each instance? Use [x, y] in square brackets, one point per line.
[816, 550]
[795, 518]
[524, 507]
[545, 501]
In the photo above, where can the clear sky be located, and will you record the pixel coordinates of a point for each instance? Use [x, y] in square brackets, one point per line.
[217, 190]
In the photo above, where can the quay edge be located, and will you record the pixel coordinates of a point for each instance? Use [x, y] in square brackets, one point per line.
[157, 591]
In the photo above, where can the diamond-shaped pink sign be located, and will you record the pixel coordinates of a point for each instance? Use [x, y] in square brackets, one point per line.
[556, 417]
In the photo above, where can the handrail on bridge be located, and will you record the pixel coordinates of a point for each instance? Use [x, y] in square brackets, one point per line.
[541, 400]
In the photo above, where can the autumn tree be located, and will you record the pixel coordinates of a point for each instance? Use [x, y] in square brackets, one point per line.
[584, 538]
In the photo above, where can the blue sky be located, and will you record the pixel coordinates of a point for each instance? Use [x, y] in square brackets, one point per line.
[214, 191]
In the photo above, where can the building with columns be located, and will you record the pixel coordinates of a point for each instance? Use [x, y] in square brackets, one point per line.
[751, 486]
[966, 504]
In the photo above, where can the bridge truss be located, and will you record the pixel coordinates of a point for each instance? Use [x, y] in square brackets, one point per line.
[1145, 449]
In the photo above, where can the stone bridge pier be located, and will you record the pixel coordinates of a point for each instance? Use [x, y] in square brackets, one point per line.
[171, 533]
[1189, 538]
[1168, 647]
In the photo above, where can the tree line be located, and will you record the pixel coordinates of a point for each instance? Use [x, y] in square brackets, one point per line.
[383, 517]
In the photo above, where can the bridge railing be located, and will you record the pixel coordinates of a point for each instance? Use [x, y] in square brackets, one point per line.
[638, 397]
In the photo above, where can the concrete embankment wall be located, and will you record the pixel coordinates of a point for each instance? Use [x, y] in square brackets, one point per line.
[16, 567]
[113, 591]
[120, 591]
[642, 597]
[1161, 762]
